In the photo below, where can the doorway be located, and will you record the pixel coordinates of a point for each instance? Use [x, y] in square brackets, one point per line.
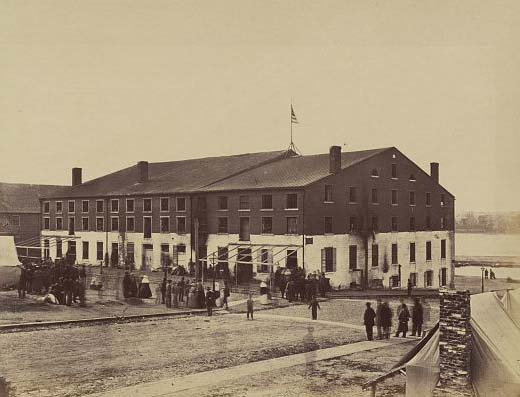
[147, 257]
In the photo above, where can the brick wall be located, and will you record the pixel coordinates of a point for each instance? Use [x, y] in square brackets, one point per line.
[454, 344]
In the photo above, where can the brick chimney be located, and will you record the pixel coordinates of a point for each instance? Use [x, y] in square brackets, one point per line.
[454, 344]
[142, 171]
[434, 171]
[335, 159]
[76, 176]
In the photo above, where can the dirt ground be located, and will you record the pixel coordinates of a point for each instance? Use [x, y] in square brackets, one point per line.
[81, 360]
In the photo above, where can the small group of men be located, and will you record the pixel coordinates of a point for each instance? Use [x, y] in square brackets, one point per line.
[382, 319]
[297, 287]
[489, 274]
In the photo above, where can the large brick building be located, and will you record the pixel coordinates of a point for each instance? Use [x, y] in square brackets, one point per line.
[361, 217]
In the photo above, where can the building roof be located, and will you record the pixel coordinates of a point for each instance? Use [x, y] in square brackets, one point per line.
[291, 172]
[171, 177]
[24, 198]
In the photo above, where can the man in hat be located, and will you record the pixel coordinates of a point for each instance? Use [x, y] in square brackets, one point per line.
[209, 301]
[168, 294]
[368, 320]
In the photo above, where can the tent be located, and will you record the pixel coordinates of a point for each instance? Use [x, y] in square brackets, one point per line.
[495, 353]
[511, 302]
[9, 263]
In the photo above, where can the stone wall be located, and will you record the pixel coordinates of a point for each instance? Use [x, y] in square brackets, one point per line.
[454, 344]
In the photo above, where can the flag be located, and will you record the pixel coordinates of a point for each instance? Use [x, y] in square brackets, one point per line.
[294, 120]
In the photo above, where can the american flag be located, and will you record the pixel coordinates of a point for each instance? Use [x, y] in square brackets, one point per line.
[294, 120]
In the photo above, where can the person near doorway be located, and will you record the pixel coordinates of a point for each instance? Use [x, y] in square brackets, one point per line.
[368, 321]
[314, 306]
[250, 306]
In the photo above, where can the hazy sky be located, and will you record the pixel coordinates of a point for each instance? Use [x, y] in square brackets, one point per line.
[104, 84]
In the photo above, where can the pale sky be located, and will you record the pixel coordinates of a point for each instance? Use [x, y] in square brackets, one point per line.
[103, 84]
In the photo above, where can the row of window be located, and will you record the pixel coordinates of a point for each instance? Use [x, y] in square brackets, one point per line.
[354, 224]
[374, 196]
[164, 205]
[115, 227]
[328, 255]
[291, 202]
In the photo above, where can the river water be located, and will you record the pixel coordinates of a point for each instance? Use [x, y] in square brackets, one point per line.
[483, 244]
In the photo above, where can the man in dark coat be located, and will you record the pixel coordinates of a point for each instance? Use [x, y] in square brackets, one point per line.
[209, 301]
[368, 320]
[403, 317]
[167, 296]
[163, 290]
[22, 283]
[386, 320]
[181, 285]
[127, 285]
[314, 306]
[378, 319]
[417, 318]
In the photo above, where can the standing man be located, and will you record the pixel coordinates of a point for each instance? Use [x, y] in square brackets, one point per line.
[403, 317]
[22, 283]
[209, 301]
[379, 307]
[368, 320]
[163, 290]
[417, 318]
[386, 319]
[226, 295]
[314, 306]
[167, 295]
[250, 306]
[181, 285]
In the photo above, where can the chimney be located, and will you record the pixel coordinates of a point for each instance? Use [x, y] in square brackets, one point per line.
[454, 344]
[76, 176]
[142, 171]
[434, 171]
[335, 159]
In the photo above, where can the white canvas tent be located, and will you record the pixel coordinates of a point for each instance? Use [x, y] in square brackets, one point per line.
[511, 302]
[9, 263]
[495, 353]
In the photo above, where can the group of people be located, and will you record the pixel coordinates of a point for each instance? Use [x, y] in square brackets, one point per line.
[489, 274]
[136, 286]
[297, 287]
[61, 282]
[382, 319]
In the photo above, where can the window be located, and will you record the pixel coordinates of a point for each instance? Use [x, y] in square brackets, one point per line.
[114, 254]
[147, 205]
[413, 279]
[375, 224]
[15, 220]
[130, 253]
[412, 198]
[181, 224]
[114, 223]
[165, 255]
[443, 249]
[147, 227]
[71, 225]
[130, 224]
[375, 255]
[223, 224]
[59, 249]
[84, 224]
[244, 233]
[222, 257]
[374, 196]
[292, 201]
[428, 222]
[99, 251]
[59, 207]
[428, 199]
[265, 259]
[100, 224]
[412, 178]
[352, 224]
[412, 224]
[243, 203]
[291, 259]
[71, 250]
[46, 223]
[46, 207]
[267, 202]
[394, 254]
[443, 201]
[100, 207]
[352, 194]
[375, 173]
[201, 203]
[46, 249]
[165, 204]
[394, 171]
[222, 203]
[84, 206]
[327, 228]
[412, 252]
[328, 193]
[130, 205]
[352, 255]
[443, 223]
[85, 249]
[394, 197]
[165, 224]
[328, 259]
[292, 225]
[428, 250]
[181, 204]
[181, 249]
[428, 278]
[59, 223]
[72, 206]
[394, 224]
[267, 225]
[114, 205]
